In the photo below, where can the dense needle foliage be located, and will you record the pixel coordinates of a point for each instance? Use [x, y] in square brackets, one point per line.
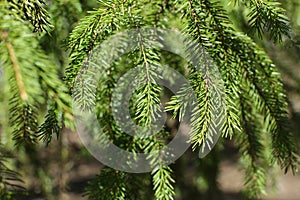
[36, 37]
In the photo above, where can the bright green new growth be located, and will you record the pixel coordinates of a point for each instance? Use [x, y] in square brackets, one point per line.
[254, 103]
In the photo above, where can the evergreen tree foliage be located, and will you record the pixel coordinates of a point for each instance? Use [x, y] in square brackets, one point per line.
[10, 182]
[35, 39]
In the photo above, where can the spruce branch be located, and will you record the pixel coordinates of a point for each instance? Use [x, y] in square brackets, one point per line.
[254, 99]
[92, 30]
[33, 12]
[251, 144]
[163, 183]
[33, 81]
[201, 15]
[50, 126]
[268, 17]
[23, 119]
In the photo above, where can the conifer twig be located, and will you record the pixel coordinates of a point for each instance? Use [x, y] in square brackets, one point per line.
[16, 66]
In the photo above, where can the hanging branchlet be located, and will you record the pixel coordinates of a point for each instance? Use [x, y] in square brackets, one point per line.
[267, 17]
[50, 127]
[252, 143]
[32, 82]
[33, 12]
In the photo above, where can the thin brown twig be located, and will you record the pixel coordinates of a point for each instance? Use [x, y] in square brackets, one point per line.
[16, 66]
